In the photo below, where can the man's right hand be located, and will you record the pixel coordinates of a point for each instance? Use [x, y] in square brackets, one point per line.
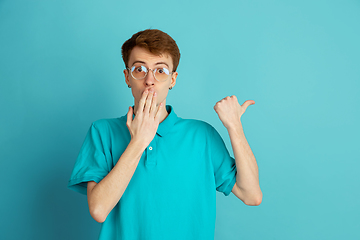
[103, 196]
[147, 117]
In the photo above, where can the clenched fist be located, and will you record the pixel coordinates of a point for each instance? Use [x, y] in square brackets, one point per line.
[229, 110]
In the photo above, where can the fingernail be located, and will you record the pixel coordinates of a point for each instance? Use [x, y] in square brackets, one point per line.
[155, 94]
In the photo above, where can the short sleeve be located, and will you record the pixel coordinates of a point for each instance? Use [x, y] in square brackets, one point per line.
[224, 165]
[92, 163]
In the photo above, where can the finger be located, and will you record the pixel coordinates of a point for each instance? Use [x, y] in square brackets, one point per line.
[148, 102]
[153, 105]
[247, 103]
[216, 107]
[142, 102]
[158, 113]
[129, 116]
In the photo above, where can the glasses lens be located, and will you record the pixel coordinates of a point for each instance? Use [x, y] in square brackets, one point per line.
[138, 72]
[162, 74]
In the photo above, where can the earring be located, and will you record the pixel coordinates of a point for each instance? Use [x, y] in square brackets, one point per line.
[129, 86]
[170, 88]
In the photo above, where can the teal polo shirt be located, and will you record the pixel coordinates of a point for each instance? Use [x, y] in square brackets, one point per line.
[172, 194]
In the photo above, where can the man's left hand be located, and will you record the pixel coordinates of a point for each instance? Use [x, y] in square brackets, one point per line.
[230, 111]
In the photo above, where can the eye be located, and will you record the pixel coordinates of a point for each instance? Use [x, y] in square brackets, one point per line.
[139, 69]
[163, 71]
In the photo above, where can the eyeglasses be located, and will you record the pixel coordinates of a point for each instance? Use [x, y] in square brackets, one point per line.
[160, 74]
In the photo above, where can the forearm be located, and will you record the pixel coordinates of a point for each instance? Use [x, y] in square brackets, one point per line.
[103, 197]
[247, 178]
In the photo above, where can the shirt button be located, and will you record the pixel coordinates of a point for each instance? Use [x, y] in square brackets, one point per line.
[150, 148]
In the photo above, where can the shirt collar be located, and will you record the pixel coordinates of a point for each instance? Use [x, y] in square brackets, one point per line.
[167, 124]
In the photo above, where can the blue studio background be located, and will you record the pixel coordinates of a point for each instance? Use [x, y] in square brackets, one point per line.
[61, 69]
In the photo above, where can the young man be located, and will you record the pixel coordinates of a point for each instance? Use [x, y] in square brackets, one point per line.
[153, 175]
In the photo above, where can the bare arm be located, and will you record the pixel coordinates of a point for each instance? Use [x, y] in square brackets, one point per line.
[247, 186]
[103, 197]
[247, 177]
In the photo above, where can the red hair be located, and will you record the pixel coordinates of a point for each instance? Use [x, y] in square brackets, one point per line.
[155, 41]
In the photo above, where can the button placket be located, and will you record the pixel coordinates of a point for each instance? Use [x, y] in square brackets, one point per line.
[150, 153]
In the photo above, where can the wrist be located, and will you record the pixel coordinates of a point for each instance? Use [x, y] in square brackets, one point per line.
[235, 126]
[138, 144]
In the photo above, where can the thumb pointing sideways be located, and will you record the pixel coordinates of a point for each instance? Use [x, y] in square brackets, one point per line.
[248, 103]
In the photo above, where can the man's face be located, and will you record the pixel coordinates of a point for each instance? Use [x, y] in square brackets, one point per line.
[140, 56]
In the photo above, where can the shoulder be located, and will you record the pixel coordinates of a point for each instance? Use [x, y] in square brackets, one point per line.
[199, 130]
[195, 124]
[109, 124]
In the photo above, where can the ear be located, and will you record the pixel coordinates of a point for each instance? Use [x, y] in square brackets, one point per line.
[173, 79]
[126, 73]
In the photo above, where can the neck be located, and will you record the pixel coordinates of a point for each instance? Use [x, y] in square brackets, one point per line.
[163, 113]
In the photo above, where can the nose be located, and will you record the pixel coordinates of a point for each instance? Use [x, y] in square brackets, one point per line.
[149, 79]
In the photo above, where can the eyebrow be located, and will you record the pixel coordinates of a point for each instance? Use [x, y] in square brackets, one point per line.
[162, 63]
[137, 62]
[158, 63]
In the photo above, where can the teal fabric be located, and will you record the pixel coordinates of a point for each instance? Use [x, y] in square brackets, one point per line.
[172, 194]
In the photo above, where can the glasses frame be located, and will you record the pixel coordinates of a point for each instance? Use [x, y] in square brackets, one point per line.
[148, 69]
